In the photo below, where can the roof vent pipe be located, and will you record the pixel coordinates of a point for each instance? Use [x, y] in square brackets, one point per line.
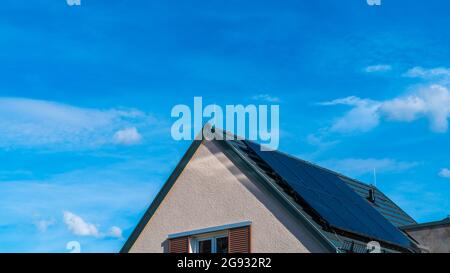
[371, 196]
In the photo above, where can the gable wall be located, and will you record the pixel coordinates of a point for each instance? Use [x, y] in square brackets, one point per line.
[435, 239]
[210, 192]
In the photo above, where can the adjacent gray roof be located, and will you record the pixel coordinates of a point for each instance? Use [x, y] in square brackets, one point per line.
[435, 224]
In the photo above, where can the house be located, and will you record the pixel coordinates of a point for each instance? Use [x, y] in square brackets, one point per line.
[434, 236]
[228, 196]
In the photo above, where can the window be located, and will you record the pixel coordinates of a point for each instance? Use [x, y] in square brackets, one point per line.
[205, 246]
[222, 245]
[230, 238]
[212, 244]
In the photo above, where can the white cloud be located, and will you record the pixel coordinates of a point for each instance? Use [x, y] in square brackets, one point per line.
[378, 68]
[352, 100]
[38, 123]
[362, 117]
[266, 98]
[420, 72]
[358, 166]
[128, 136]
[78, 226]
[115, 232]
[432, 102]
[445, 173]
[404, 109]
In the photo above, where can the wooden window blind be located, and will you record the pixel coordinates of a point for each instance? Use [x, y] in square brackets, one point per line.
[179, 245]
[239, 240]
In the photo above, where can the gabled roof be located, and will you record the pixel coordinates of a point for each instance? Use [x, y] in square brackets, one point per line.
[237, 151]
[343, 238]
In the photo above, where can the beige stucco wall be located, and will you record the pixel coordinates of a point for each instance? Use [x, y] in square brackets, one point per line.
[212, 191]
[436, 240]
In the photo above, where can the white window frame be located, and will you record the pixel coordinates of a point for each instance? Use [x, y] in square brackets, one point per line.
[194, 242]
[209, 232]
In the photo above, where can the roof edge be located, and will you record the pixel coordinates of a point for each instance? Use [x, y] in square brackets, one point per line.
[441, 223]
[160, 196]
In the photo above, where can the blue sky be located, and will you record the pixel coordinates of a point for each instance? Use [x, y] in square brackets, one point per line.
[86, 93]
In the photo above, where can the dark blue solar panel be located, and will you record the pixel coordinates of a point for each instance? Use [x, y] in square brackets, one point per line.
[332, 198]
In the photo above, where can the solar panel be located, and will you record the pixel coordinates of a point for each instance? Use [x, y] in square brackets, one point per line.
[331, 197]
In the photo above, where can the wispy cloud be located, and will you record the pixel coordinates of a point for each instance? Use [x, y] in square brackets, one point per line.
[360, 166]
[363, 117]
[424, 73]
[103, 195]
[378, 68]
[38, 123]
[320, 141]
[445, 173]
[432, 102]
[266, 98]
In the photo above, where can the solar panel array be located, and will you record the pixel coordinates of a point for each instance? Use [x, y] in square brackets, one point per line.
[382, 204]
[331, 198]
